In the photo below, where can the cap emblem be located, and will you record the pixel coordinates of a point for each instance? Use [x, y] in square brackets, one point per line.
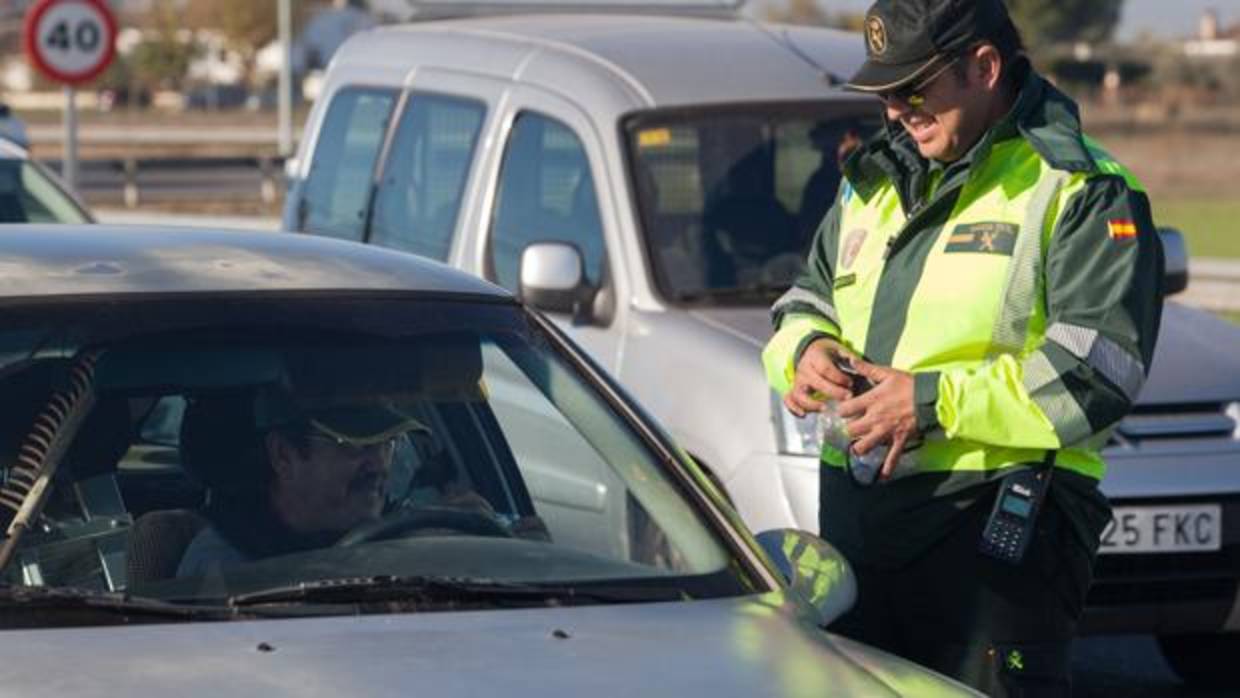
[876, 35]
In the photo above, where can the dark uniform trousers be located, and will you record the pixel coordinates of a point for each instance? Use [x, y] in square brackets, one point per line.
[1004, 629]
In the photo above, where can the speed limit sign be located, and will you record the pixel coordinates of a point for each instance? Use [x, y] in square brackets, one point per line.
[70, 41]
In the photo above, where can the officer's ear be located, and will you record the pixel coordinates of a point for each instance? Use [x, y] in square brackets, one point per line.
[986, 68]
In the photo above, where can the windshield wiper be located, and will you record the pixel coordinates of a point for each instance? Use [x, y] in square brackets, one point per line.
[433, 589]
[117, 602]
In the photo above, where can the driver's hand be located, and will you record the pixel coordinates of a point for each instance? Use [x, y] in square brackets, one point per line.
[458, 497]
[531, 527]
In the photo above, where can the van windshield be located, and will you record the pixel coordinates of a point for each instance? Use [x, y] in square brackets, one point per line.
[730, 198]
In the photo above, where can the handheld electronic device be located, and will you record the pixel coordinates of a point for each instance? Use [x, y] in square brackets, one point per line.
[860, 383]
[1011, 524]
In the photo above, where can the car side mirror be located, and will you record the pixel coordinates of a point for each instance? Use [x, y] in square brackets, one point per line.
[553, 279]
[1175, 256]
[814, 570]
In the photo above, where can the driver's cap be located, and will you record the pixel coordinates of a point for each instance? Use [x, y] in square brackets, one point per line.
[358, 422]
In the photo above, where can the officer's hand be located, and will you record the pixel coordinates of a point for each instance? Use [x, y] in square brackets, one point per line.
[817, 379]
[884, 414]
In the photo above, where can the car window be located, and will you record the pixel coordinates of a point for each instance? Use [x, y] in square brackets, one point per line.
[545, 193]
[419, 193]
[337, 188]
[233, 448]
[730, 198]
[27, 195]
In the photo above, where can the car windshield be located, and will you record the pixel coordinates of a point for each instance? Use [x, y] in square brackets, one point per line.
[27, 195]
[241, 453]
[730, 197]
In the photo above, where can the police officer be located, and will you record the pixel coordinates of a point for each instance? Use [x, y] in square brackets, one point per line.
[996, 276]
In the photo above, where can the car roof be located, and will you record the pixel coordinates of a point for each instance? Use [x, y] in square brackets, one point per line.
[662, 61]
[49, 261]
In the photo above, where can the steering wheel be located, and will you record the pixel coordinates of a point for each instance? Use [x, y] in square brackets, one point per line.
[402, 521]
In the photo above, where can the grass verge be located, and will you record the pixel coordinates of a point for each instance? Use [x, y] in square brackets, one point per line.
[1211, 226]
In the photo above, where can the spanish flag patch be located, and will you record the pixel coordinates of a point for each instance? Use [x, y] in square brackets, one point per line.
[1121, 229]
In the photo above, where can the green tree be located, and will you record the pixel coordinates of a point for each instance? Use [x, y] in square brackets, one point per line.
[162, 58]
[1044, 22]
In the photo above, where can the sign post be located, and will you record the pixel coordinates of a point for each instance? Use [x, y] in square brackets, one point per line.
[70, 42]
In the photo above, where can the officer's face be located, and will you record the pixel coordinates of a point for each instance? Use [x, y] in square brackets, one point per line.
[956, 106]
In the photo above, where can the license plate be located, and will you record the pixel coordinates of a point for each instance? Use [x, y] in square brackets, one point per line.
[1178, 529]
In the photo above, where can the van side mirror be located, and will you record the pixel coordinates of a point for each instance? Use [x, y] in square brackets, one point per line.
[814, 570]
[1175, 255]
[553, 280]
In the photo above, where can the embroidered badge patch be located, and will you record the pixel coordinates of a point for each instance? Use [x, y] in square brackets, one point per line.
[988, 238]
[852, 247]
[1121, 229]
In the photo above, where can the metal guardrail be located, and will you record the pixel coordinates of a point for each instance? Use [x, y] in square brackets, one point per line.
[1214, 284]
[134, 181]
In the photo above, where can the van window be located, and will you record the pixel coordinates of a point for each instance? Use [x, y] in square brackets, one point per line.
[546, 193]
[730, 197]
[337, 189]
[419, 194]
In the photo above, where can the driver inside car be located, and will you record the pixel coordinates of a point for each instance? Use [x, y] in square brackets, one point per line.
[307, 475]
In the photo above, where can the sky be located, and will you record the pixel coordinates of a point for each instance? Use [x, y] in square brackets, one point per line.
[1162, 18]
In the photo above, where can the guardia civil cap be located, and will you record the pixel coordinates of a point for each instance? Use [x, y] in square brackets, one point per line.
[906, 39]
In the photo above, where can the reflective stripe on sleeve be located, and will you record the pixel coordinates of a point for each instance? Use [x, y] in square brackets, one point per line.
[1100, 353]
[800, 298]
[1070, 422]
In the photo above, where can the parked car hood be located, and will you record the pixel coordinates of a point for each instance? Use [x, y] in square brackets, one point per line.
[1196, 359]
[729, 647]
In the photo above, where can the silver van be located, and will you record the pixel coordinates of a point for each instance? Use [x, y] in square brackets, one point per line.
[652, 183]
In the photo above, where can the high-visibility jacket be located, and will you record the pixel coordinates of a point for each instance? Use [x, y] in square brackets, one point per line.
[1020, 285]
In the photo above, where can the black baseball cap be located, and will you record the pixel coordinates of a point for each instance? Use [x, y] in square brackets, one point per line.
[906, 39]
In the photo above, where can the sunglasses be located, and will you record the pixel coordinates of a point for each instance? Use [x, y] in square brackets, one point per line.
[347, 447]
[914, 95]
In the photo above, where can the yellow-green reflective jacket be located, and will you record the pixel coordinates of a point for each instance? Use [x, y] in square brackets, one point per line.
[1021, 285]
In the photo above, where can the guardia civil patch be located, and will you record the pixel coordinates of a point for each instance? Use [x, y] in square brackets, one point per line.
[987, 238]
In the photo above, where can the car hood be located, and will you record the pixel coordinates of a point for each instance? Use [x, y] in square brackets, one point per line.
[731, 647]
[1195, 360]
[752, 324]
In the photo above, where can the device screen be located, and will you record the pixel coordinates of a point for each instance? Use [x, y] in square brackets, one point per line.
[1017, 506]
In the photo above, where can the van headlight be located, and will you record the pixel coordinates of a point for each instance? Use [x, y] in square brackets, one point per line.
[1233, 411]
[796, 436]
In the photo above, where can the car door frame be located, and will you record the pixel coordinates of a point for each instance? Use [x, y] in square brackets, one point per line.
[605, 342]
[487, 90]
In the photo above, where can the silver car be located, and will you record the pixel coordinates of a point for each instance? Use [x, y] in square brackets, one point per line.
[653, 183]
[533, 533]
